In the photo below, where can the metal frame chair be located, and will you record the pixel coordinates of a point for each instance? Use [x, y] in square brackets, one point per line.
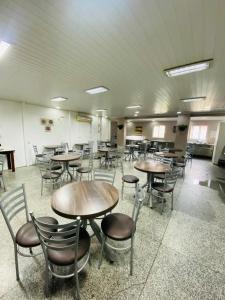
[159, 189]
[68, 245]
[2, 181]
[129, 179]
[86, 170]
[113, 226]
[49, 176]
[38, 156]
[11, 204]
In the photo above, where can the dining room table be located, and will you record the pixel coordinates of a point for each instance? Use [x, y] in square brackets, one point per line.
[87, 200]
[106, 154]
[171, 155]
[65, 159]
[151, 167]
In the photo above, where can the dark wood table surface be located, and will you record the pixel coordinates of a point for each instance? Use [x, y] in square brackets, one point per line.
[53, 147]
[151, 167]
[87, 199]
[65, 157]
[10, 158]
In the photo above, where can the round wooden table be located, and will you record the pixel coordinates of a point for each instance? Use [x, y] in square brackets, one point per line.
[65, 159]
[167, 154]
[151, 167]
[87, 199]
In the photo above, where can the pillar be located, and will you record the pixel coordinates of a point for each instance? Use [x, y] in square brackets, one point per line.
[121, 132]
[182, 132]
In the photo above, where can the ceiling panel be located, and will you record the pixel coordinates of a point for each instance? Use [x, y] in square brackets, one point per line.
[61, 48]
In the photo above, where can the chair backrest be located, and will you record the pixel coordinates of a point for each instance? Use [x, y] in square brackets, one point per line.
[2, 160]
[101, 175]
[45, 167]
[65, 147]
[12, 203]
[138, 202]
[58, 237]
[35, 149]
[171, 177]
[166, 161]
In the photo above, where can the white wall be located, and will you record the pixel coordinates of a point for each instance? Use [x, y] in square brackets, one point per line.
[20, 129]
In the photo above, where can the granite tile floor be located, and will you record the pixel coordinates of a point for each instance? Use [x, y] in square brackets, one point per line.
[178, 255]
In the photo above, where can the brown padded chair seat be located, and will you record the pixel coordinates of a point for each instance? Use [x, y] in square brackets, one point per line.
[130, 178]
[84, 170]
[159, 176]
[117, 226]
[74, 164]
[66, 257]
[27, 237]
[160, 187]
[56, 167]
[51, 175]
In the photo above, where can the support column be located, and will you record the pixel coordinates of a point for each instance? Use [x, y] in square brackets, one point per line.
[182, 132]
[121, 132]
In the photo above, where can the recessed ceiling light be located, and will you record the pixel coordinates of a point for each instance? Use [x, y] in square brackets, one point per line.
[57, 107]
[178, 112]
[101, 110]
[59, 99]
[3, 47]
[133, 106]
[189, 68]
[97, 90]
[193, 99]
[136, 112]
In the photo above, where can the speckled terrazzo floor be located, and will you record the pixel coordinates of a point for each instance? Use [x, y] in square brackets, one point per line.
[177, 256]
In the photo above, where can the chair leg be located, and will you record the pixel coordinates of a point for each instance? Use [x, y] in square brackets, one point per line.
[172, 201]
[3, 183]
[102, 249]
[122, 189]
[41, 187]
[77, 293]
[47, 283]
[162, 206]
[16, 263]
[131, 255]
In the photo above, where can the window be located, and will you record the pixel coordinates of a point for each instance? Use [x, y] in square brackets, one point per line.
[198, 133]
[159, 131]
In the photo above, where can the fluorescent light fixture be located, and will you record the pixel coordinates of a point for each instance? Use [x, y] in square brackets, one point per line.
[133, 106]
[101, 110]
[97, 90]
[193, 99]
[178, 112]
[189, 68]
[59, 99]
[136, 112]
[57, 107]
[3, 48]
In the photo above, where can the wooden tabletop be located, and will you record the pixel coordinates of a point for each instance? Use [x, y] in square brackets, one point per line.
[151, 167]
[167, 154]
[87, 199]
[52, 146]
[65, 157]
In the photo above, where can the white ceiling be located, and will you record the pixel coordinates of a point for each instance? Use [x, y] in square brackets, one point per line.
[62, 47]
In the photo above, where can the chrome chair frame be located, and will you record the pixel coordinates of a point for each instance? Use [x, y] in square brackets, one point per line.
[170, 180]
[54, 177]
[90, 166]
[108, 177]
[12, 203]
[138, 202]
[60, 238]
[123, 182]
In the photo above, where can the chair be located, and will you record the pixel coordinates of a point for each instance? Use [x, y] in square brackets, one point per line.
[180, 164]
[11, 204]
[68, 246]
[2, 182]
[38, 156]
[121, 227]
[49, 176]
[108, 177]
[166, 161]
[86, 170]
[160, 189]
[129, 179]
[76, 163]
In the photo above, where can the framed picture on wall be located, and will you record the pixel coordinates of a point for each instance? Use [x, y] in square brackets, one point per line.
[139, 130]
